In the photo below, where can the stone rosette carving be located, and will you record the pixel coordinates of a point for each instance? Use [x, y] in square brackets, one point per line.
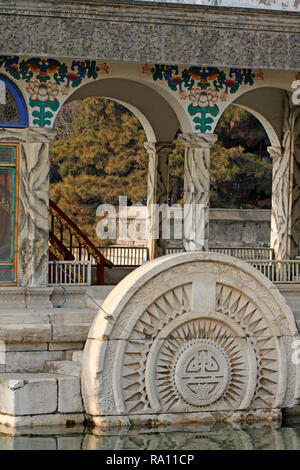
[190, 336]
[199, 371]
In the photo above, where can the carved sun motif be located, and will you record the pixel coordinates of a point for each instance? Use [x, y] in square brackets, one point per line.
[175, 363]
[200, 363]
[239, 308]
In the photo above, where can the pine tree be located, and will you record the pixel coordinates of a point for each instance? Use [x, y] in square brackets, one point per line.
[100, 156]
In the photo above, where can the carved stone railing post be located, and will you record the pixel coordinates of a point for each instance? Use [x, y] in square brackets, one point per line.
[33, 229]
[196, 189]
[157, 194]
[285, 221]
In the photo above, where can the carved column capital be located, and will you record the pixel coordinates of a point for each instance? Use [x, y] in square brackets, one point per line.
[29, 134]
[196, 140]
[157, 147]
[275, 152]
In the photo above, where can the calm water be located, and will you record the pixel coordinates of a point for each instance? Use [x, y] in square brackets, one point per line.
[200, 437]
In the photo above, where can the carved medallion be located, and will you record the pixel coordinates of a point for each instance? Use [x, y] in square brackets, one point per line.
[200, 363]
[201, 373]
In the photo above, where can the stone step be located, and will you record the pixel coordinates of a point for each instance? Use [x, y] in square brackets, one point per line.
[28, 399]
[70, 368]
[75, 356]
[95, 295]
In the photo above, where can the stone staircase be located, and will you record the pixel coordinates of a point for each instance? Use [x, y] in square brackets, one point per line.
[50, 397]
[41, 349]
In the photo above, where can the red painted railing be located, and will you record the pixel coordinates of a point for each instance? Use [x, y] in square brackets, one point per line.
[64, 232]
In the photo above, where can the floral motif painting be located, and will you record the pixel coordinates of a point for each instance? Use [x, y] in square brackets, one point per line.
[46, 79]
[203, 87]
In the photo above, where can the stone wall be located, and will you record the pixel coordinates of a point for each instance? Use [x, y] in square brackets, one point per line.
[239, 228]
[228, 228]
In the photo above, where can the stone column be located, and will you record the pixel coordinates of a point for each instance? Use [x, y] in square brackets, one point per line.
[285, 220]
[33, 233]
[280, 185]
[157, 194]
[196, 189]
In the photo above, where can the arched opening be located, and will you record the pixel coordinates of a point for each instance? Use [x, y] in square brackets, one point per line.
[241, 168]
[267, 105]
[159, 115]
[100, 155]
[13, 110]
[271, 106]
[240, 184]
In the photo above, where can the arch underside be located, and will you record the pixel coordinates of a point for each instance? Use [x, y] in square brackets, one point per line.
[155, 113]
[267, 105]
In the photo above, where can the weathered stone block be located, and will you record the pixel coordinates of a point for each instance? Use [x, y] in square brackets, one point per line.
[71, 332]
[24, 394]
[24, 326]
[71, 325]
[69, 395]
[65, 346]
[74, 297]
[63, 367]
[12, 297]
[39, 297]
[22, 347]
[53, 419]
[30, 361]
[75, 356]
[27, 333]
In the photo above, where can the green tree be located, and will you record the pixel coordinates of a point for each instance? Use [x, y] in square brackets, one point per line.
[237, 127]
[99, 156]
[239, 179]
[103, 159]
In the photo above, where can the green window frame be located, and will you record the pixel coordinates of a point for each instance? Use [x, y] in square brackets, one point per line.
[8, 213]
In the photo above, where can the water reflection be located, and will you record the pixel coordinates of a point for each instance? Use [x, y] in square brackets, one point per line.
[195, 437]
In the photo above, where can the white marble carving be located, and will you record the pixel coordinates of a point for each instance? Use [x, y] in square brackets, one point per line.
[280, 178]
[285, 222]
[157, 192]
[196, 189]
[188, 336]
[155, 32]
